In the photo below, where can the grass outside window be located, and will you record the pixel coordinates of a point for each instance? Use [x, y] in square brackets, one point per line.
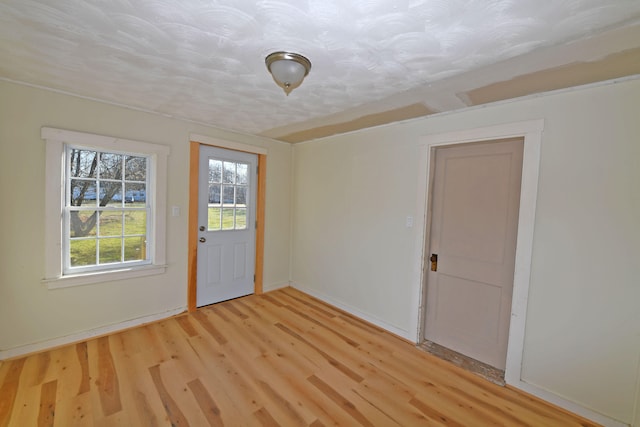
[112, 238]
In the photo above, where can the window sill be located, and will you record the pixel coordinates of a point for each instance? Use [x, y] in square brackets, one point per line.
[103, 276]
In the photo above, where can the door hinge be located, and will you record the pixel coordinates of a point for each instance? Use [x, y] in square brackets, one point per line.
[256, 224]
[254, 278]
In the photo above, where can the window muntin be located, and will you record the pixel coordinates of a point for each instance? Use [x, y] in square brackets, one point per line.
[107, 212]
[228, 193]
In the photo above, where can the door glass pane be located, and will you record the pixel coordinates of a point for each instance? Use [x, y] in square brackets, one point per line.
[228, 195]
[241, 196]
[241, 218]
[214, 218]
[242, 174]
[229, 176]
[214, 213]
[215, 171]
[228, 222]
[214, 193]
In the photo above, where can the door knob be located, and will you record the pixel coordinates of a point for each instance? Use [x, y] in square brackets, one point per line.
[202, 228]
[434, 262]
[202, 240]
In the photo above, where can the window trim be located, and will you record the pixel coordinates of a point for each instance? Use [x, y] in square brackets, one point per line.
[55, 140]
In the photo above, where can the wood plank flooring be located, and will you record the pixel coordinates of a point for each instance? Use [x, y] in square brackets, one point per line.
[279, 359]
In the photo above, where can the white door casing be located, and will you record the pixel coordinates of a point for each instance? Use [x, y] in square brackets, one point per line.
[474, 220]
[226, 224]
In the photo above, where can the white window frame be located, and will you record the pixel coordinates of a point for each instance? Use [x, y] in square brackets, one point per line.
[56, 140]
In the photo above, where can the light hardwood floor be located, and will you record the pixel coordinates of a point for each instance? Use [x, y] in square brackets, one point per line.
[280, 359]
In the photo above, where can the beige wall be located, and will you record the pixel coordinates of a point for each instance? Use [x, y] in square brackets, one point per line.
[352, 194]
[29, 312]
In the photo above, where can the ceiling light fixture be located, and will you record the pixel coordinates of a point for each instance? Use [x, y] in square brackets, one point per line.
[288, 69]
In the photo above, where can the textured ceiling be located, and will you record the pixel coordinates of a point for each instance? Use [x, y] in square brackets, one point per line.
[204, 60]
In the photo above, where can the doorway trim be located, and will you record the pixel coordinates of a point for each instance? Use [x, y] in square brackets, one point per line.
[531, 132]
[194, 161]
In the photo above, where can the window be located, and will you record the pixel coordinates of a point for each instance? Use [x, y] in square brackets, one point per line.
[106, 217]
[105, 204]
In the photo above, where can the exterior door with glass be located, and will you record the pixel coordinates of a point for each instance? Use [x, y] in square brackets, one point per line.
[226, 224]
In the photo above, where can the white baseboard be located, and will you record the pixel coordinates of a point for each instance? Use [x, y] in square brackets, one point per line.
[85, 335]
[566, 404]
[352, 310]
[275, 286]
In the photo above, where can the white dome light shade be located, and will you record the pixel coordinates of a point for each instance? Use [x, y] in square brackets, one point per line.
[288, 69]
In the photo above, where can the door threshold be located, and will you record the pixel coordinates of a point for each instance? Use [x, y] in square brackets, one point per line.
[481, 369]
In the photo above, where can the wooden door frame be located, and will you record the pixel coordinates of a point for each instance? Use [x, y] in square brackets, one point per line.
[196, 141]
[531, 132]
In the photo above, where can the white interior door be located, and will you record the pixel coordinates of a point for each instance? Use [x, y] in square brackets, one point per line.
[226, 224]
[475, 203]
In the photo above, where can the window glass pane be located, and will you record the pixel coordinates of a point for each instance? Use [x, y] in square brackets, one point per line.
[110, 250]
[82, 163]
[110, 166]
[135, 168]
[110, 223]
[135, 222]
[135, 193]
[214, 219]
[111, 194]
[241, 196]
[241, 218]
[242, 176]
[135, 248]
[82, 252]
[214, 193]
[83, 192]
[228, 195]
[227, 219]
[229, 176]
[82, 223]
[215, 171]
